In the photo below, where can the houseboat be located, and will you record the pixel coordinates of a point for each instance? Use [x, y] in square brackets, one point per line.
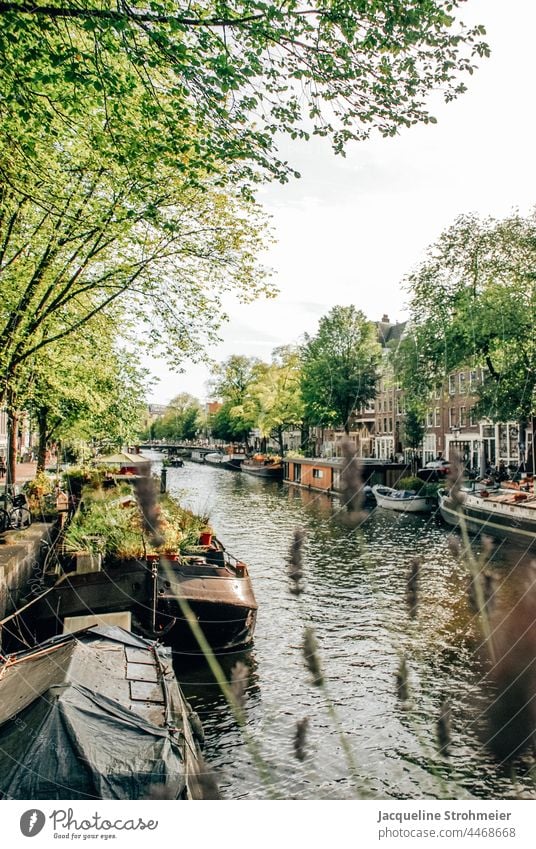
[96, 714]
[323, 474]
[262, 466]
[504, 513]
[215, 585]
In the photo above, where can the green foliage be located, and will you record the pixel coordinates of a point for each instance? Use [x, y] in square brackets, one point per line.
[182, 419]
[112, 526]
[210, 87]
[141, 249]
[274, 397]
[473, 304]
[411, 483]
[339, 367]
[227, 426]
[232, 383]
[76, 478]
[414, 426]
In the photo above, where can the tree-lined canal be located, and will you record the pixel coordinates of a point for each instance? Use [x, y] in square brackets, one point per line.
[356, 600]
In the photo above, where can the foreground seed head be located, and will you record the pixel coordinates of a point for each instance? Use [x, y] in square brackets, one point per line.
[311, 656]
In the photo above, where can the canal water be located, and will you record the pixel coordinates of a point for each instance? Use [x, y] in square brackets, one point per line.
[356, 601]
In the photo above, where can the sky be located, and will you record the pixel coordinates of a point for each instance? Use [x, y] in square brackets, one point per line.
[351, 228]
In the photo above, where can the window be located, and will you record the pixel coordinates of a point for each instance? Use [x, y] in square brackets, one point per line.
[453, 417]
[385, 425]
[390, 425]
[452, 384]
[472, 380]
[318, 473]
[463, 416]
[429, 419]
[390, 404]
[437, 417]
[437, 394]
[462, 383]
[472, 418]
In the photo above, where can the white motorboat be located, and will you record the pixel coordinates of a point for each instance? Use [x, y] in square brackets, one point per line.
[402, 500]
[215, 458]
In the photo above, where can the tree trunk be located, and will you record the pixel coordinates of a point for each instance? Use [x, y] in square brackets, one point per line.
[280, 440]
[11, 460]
[42, 421]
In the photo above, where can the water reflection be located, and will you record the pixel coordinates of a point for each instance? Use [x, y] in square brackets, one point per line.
[356, 599]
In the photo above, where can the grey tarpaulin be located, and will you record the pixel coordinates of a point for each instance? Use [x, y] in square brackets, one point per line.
[97, 714]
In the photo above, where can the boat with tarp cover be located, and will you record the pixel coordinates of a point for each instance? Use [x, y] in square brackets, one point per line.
[96, 714]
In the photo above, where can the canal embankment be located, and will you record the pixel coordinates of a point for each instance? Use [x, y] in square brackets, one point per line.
[22, 554]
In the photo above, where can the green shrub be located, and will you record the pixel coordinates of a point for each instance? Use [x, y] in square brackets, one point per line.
[411, 483]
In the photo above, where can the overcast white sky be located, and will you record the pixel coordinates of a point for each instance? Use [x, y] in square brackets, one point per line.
[350, 229]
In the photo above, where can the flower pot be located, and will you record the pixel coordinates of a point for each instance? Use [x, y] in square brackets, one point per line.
[205, 538]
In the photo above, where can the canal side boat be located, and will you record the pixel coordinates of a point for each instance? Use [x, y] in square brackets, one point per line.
[504, 514]
[215, 458]
[264, 467]
[215, 585]
[234, 457]
[96, 714]
[401, 500]
[173, 462]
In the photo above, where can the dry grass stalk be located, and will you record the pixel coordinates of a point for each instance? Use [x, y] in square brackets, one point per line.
[239, 683]
[444, 723]
[146, 493]
[351, 483]
[295, 562]
[455, 478]
[412, 586]
[511, 679]
[207, 782]
[311, 657]
[402, 683]
[454, 546]
[300, 738]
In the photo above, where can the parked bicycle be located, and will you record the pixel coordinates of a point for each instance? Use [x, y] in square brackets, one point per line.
[14, 513]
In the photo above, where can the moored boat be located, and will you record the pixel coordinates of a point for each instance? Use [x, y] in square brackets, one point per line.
[504, 513]
[96, 714]
[401, 500]
[197, 455]
[215, 458]
[215, 585]
[264, 467]
[234, 457]
[173, 462]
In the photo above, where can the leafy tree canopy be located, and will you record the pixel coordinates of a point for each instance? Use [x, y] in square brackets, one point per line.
[339, 367]
[473, 304]
[100, 238]
[274, 398]
[208, 86]
[181, 420]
